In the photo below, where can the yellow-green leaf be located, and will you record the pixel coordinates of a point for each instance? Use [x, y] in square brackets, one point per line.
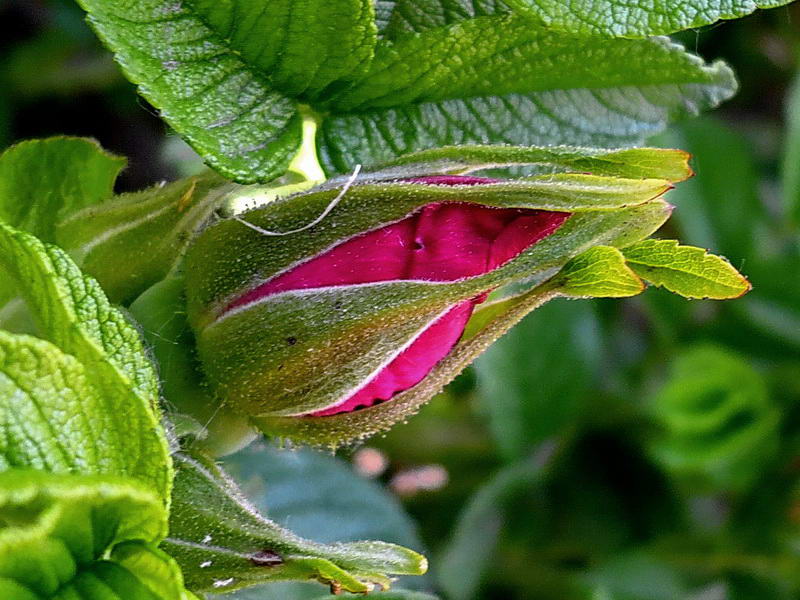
[686, 270]
[600, 272]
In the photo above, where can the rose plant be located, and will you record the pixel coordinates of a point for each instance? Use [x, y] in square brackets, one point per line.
[366, 230]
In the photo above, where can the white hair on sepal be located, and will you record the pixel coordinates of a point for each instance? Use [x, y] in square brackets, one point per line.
[348, 184]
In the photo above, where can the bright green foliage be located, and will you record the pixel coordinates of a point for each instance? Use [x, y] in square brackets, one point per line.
[75, 537]
[621, 18]
[719, 424]
[223, 544]
[94, 364]
[685, 270]
[44, 181]
[301, 47]
[234, 78]
[637, 19]
[582, 91]
[600, 272]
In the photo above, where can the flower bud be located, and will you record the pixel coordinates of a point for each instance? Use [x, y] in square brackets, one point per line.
[332, 314]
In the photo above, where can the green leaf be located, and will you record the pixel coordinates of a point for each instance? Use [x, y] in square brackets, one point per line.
[600, 272]
[223, 544]
[235, 79]
[224, 74]
[82, 538]
[307, 46]
[53, 419]
[685, 270]
[533, 382]
[43, 181]
[590, 17]
[625, 19]
[105, 353]
[473, 82]
[719, 425]
[341, 506]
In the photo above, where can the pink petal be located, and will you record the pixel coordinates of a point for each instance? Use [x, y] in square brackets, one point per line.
[440, 242]
[410, 366]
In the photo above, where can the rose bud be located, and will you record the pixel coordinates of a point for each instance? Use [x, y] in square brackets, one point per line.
[330, 315]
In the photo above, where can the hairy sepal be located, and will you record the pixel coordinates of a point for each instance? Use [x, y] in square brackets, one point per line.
[295, 353]
[231, 257]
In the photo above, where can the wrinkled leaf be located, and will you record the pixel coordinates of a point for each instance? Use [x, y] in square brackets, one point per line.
[105, 354]
[473, 82]
[82, 538]
[234, 80]
[590, 17]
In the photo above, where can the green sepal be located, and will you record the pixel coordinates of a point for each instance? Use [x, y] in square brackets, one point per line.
[264, 359]
[193, 409]
[686, 270]
[132, 241]
[82, 537]
[223, 543]
[229, 257]
[644, 163]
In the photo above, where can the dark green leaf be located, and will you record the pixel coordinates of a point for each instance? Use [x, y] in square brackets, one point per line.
[591, 17]
[223, 544]
[234, 79]
[473, 82]
[224, 74]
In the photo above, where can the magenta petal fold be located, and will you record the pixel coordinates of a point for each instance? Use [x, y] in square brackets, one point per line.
[440, 242]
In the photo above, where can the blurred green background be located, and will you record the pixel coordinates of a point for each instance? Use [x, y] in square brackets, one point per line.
[644, 449]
